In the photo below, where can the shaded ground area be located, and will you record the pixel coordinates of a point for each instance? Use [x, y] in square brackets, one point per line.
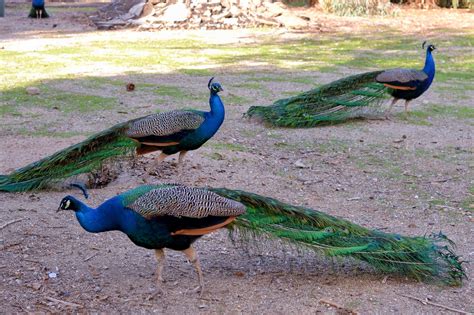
[412, 174]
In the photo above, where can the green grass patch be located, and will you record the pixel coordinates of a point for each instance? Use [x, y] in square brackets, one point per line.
[229, 146]
[175, 92]
[468, 202]
[250, 85]
[56, 99]
[419, 118]
[436, 110]
[235, 99]
[45, 131]
[9, 109]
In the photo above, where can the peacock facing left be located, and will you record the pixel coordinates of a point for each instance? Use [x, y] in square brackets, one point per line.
[354, 96]
[168, 132]
[174, 216]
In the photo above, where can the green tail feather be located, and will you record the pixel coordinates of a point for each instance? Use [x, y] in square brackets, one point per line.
[423, 258]
[74, 160]
[351, 97]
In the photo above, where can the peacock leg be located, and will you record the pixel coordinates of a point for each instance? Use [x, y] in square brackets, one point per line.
[181, 156]
[161, 258]
[41, 13]
[390, 107]
[193, 258]
[406, 106]
[160, 158]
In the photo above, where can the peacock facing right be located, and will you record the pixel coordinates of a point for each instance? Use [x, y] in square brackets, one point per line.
[351, 97]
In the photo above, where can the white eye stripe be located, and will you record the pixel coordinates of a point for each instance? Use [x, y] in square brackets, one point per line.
[68, 203]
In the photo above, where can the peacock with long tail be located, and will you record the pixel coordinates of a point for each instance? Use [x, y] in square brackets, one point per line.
[173, 216]
[355, 96]
[169, 132]
[38, 10]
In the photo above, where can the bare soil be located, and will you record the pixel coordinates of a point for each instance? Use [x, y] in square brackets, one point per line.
[382, 174]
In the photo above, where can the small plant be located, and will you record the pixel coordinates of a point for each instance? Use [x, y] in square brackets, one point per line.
[357, 7]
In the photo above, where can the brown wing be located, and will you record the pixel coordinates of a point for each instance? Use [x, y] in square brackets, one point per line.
[182, 201]
[165, 129]
[401, 79]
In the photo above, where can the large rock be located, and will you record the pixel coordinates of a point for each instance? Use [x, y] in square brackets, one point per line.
[273, 9]
[178, 12]
[291, 21]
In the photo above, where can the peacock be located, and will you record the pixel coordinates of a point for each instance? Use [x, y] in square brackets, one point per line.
[173, 216]
[38, 10]
[350, 97]
[169, 132]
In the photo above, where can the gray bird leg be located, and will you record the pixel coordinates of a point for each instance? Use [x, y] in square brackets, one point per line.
[161, 258]
[406, 106]
[161, 157]
[181, 156]
[193, 258]
[390, 107]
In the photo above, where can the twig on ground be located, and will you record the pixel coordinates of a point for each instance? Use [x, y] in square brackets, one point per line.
[11, 245]
[436, 304]
[445, 207]
[51, 299]
[339, 307]
[91, 256]
[441, 180]
[10, 222]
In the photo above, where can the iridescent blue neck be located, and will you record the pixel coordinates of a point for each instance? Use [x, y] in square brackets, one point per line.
[105, 218]
[217, 107]
[429, 67]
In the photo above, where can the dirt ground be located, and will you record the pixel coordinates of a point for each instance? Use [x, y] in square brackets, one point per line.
[384, 174]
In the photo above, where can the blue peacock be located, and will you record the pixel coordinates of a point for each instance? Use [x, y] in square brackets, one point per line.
[38, 10]
[174, 216]
[168, 132]
[351, 97]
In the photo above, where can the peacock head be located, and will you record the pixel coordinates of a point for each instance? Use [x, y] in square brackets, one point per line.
[69, 203]
[214, 87]
[429, 48]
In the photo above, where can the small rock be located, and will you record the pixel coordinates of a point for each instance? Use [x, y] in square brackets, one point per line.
[36, 286]
[52, 275]
[300, 164]
[239, 274]
[202, 306]
[231, 21]
[32, 90]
